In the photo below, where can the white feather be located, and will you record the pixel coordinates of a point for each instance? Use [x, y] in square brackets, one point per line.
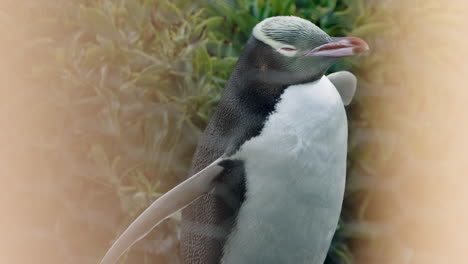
[295, 172]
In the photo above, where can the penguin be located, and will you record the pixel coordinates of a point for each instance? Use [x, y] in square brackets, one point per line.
[268, 175]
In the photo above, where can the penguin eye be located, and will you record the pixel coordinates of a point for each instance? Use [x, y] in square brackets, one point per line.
[288, 49]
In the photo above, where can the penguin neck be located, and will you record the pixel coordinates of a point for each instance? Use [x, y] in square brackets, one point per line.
[260, 63]
[252, 90]
[259, 76]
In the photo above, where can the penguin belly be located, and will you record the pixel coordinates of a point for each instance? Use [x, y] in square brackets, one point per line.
[295, 176]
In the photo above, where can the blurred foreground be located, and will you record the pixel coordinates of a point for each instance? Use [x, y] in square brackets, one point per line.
[91, 132]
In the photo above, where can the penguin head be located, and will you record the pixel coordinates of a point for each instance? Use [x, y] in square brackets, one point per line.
[298, 48]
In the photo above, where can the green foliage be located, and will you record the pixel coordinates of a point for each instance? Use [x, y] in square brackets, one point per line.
[129, 87]
[337, 18]
[144, 70]
[241, 16]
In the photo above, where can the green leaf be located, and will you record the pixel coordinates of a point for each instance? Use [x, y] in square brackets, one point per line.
[209, 24]
[170, 13]
[202, 60]
[149, 76]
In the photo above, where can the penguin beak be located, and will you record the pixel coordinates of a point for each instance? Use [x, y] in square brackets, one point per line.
[340, 47]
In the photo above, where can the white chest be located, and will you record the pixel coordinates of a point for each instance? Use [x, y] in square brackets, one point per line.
[295, 179]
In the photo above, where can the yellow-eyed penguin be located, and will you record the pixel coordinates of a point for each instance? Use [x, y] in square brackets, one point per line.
[269, 171]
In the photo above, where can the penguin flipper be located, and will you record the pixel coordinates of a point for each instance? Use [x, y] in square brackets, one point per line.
[345, 83]
[165, 206]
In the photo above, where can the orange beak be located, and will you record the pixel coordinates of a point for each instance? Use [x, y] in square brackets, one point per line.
[340, 47]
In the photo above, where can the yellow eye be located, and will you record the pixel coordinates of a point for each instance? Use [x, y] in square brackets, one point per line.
[288, 49]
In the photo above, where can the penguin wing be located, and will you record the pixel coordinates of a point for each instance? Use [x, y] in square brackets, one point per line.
[345, 83]
[165, 206]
